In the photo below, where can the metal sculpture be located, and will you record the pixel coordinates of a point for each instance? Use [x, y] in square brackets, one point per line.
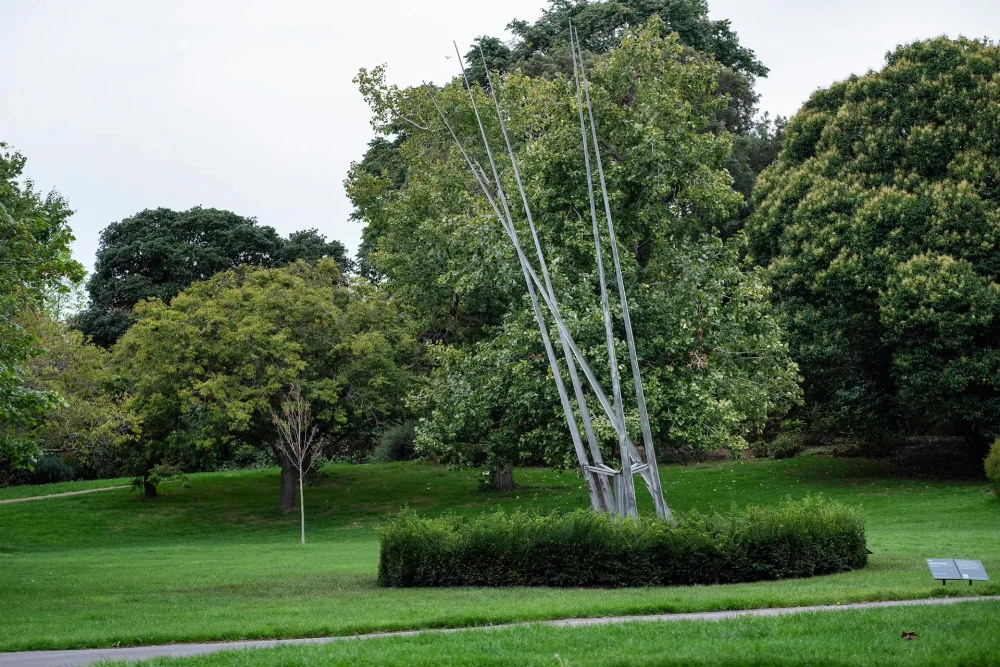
[610, 490]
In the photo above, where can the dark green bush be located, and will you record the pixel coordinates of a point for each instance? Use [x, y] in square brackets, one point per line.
[48, 470]
[992, 465]
[582, 548]
[394, 444]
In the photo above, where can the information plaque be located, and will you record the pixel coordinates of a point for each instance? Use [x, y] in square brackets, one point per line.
[956, 569]
[972, 570]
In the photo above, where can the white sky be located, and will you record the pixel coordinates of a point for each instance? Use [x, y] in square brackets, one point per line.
[248, 105]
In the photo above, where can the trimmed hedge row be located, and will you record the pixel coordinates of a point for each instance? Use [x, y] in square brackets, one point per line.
[582, 548]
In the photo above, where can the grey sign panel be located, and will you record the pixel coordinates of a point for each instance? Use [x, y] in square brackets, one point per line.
[972, 570]
[943, 568]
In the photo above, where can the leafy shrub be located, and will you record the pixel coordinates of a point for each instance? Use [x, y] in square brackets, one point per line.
[394, 444]
[248, 457]
[993, 466]
[48, 470]
[784, 446]
[582, 548]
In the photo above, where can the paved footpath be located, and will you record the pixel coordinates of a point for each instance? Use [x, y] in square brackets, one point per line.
[88, 656]
[61, 495]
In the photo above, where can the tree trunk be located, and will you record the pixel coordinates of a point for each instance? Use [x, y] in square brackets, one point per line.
[302, 508]
[288, 475]
[503, 478]
[148, 489]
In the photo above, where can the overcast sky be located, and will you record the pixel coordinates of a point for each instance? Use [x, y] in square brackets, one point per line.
[248, 105]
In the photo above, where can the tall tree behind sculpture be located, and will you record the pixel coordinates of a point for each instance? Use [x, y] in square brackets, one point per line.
[594, 471]
[710, 354]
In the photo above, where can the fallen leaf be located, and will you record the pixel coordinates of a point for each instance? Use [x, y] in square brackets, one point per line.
[908, 635]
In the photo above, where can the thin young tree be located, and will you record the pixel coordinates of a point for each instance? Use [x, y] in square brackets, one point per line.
[297, 439]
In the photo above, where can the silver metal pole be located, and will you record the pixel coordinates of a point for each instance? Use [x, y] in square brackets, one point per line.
[662, 508]
[595, 499]
[588, 427]
[526, 265]
[627, 494]
[595, 449]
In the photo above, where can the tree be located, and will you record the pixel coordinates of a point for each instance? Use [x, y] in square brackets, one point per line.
[205, 372]
[541, 50]
[90, 426]
[879, 229]
[157, 253]
[35, 263]
[712, 356]
[297, 440]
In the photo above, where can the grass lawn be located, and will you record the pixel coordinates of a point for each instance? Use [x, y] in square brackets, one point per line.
[216, 560]
[12, 492]
[967, 634]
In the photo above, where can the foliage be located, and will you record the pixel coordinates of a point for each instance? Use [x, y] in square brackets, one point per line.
[879, 228]
[247, 457]
[157, 253]
[35, 265]
[541, 50]
[394, 444]
[582, 548]
[49, 469]
[206, 371]
[992, 465]
[711, 353]
[786, 444]
[223, 533]
[90, 427]
[542, 47]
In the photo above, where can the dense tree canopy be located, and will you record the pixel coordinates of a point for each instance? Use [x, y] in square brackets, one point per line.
[880, 227]
[541, 49]
[90, 426]
[205, 371]
[711, 353]
[35, 263]
[157, 253]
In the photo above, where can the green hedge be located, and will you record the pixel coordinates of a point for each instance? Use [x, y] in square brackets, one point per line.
[582, 548]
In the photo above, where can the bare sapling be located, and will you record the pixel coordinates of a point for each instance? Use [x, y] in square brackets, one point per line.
[297, 439]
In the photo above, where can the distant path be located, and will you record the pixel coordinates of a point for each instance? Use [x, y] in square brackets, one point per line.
[62, 495]
[88, 656]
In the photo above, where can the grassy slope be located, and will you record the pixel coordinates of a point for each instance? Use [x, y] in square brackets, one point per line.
[967, 634]
[218, 561]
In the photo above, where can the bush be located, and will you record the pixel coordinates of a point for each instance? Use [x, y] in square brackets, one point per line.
[992, 465]
[248, 457]
[48, 470]
[394, 444]
[784, 446]
[582, 548]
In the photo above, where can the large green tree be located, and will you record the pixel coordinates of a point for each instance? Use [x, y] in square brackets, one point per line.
[90, 426]
[205, 372]
[35, 264]
[880, 229]
[712, 357]
[157, 253]
[541, 50]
